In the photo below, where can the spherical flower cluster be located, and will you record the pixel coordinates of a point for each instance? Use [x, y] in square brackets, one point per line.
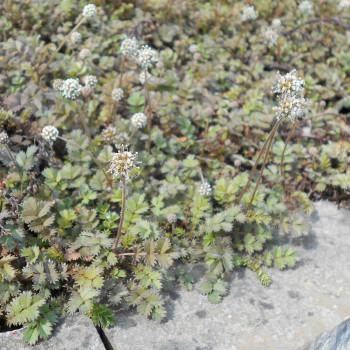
[276, 23]
[292, 107]
[75, 37]
[87, 90]
[289, 84]
[129, 47]
[139, 120]
[57, 84]
[71, 89]
[248, 13]
[344, 4]
[172, 218]
[123, 163]
[270, 36]
[49, 133]
[117, 94]
[305, 6]
[89, 11]
[84, 54]
[146, 56]
[90, 80]
[204, 189]
[110, 134]
[193, 48]
[4, 138]
[143, 76]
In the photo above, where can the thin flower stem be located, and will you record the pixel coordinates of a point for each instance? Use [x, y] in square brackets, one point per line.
[60, 47]
[282, 158]
[81, 115]
[257, 161]
[121, 216]
[263, 168]
[12, 158]
[90, 154]
[204, 140]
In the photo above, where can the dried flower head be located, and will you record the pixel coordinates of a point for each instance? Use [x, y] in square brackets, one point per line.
[71, 89]
[129, 47]
[4, 138]
[139, 120]
[123, 163]
[289, 84]
[110, 134]
[87, 91]
[204, 189]
[57, 84]
[172, 218]
[84, 54]
[146, 56]
[270, 36]
[90, 80]
[75, 37]
[89, 11]
[305, 6]
[143, 76]
[248, 13]
[117, 94]
[49, 133]
[291, 107]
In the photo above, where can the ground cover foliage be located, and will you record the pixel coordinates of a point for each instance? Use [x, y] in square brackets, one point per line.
[75, 234]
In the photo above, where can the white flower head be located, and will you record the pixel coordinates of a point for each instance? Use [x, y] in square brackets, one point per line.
[49, 133]
[89, 11]
[129, 47]
[289, 84]
[204, 189]
[270, 36]
[143, 76]
[57, 84]
[146, 56]
[276, 23]
[84, 54]
[123, 163]
[248, 13]
[305, 6]
[139, 120]
[172, 218]
[117, 94]
[193, 48]
[71, 89]
[75, 37]
[110, 134]
[343, 4]
[4, 138]
[291, 107]
[90, 80]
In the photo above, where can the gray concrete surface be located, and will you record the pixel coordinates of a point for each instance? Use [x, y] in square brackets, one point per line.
[75, 332]
[299, 305]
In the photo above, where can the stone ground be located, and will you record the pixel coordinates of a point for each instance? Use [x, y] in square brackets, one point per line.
[301, 309]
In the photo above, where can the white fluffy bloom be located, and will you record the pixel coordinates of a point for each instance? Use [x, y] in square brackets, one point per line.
[276, 23]
[270, 36]
[143, 76]
[123, 163]
[344, 4]
[291, 107]
[90, 80]
[305, 6]
[71, 88]
[289, 84]
[248, 13]
[49, 133]
[89, 11]
[204, 189]
[146, 56]
[139, 120]
[4, 138]
[110, 134]
[172, 218]
[57, 84]
[84, 54]
[75, 37]
[117, 94]
[129, 47]
[193, 48]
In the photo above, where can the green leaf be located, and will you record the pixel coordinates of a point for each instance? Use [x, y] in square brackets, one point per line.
[214, 298]
[31, 336]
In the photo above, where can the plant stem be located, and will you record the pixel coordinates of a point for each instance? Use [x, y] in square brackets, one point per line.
[121, 216]
[60, 47]
[256, 162]
[273, 133]
[81, 114]
[204, 140]
[282, 158]
[12, 158]
[148, 110]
